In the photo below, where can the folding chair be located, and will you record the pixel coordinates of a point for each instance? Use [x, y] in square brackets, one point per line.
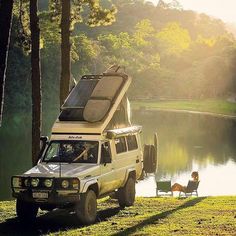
[163, 187]
[191, 189]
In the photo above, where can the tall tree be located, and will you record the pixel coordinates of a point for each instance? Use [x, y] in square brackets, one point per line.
[35, 79]
[65, 50]
[5, 26]
[97, 16]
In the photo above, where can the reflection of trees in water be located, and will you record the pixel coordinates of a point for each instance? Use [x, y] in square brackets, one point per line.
[15, 151]
[185, 138]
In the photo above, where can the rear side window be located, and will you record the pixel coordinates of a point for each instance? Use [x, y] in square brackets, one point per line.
[132, 142]
[120, 145]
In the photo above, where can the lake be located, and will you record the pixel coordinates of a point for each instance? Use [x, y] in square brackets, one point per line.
[191, 142]
[187, 142]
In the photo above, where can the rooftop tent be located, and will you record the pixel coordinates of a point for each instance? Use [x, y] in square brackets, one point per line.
[93, 97]
[122, 115]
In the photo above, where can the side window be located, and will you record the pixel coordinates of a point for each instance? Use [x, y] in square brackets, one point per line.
[132, 142]
[120, 145]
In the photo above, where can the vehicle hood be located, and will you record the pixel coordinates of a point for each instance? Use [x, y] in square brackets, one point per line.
[67, 170]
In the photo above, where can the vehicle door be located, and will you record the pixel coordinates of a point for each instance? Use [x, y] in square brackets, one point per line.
[122, 161]
[107, 178]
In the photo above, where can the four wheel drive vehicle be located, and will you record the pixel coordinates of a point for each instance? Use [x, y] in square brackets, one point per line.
[93, 151]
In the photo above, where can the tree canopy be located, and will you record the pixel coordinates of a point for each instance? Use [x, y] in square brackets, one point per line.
[169, 52]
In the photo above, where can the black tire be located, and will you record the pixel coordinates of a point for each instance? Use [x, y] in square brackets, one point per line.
[86, 209]
[26, 211]
[126, 195]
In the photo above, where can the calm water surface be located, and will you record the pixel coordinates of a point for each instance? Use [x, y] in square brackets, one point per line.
[191, 142]
[187, 142]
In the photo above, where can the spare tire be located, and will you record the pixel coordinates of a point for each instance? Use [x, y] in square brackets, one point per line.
[149, 159]
[156, 145]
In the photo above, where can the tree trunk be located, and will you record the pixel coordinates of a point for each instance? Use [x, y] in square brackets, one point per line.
[5, 26]
[35, 80]
[65, 51]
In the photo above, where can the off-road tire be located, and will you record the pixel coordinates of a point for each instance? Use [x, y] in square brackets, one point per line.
[126, 194]
[26, 211]
[86, 209]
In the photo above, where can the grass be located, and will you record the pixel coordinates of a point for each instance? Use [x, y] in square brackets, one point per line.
[212, 106]
[149, 216]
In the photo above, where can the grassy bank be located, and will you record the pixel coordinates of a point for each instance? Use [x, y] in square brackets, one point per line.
[211, 106]
[149, 216]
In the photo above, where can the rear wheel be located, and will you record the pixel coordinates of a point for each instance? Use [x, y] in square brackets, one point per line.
[26, 211]
[86, 209]
[126, 195]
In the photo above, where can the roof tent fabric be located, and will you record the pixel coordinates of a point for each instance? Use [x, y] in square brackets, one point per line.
[122, 116]
[103, 95]
[96, 109]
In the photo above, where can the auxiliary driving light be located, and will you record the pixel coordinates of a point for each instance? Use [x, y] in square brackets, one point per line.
[48, 183]
[16, 182]
[65, 183]
[75, 184]
[35, 182]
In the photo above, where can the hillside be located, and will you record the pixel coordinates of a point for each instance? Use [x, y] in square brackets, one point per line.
[169, 52]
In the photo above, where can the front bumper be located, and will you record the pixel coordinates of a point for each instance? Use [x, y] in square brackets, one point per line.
[53, 197]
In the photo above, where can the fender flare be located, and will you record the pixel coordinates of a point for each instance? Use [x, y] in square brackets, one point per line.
[87, 184]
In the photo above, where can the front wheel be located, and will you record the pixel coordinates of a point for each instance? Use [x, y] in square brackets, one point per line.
[26, 211]
[126, 195]
[86, 209]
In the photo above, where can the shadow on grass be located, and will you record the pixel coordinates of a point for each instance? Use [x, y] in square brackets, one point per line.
[54, 221]
[161, 215]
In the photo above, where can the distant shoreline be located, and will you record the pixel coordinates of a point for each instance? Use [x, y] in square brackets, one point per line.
[216, 108]
[191, 112]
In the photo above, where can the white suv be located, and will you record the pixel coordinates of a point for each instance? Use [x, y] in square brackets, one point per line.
[93, 151]
[79, 169]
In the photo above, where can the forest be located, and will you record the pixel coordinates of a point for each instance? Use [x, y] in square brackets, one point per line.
[171, 53]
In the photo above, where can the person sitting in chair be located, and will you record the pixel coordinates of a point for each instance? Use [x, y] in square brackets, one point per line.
[181, 188]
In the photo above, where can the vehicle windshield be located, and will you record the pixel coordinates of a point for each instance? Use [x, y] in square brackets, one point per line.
[72, 151]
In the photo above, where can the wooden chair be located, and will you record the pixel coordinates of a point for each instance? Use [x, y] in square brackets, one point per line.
[191, 189]
[163, 188]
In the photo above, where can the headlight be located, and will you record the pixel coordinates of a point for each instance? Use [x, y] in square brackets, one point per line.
[16, 182]
[35, 182]
[65, 183]
[48, 183]
[75, 183]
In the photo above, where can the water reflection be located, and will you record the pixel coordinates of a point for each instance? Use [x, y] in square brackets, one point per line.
[15, 147]
[189, 142]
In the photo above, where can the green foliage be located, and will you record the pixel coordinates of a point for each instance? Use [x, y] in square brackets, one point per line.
[174, 39]
[169, 52]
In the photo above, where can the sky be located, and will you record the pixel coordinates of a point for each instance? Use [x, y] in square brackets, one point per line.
[223, 9]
